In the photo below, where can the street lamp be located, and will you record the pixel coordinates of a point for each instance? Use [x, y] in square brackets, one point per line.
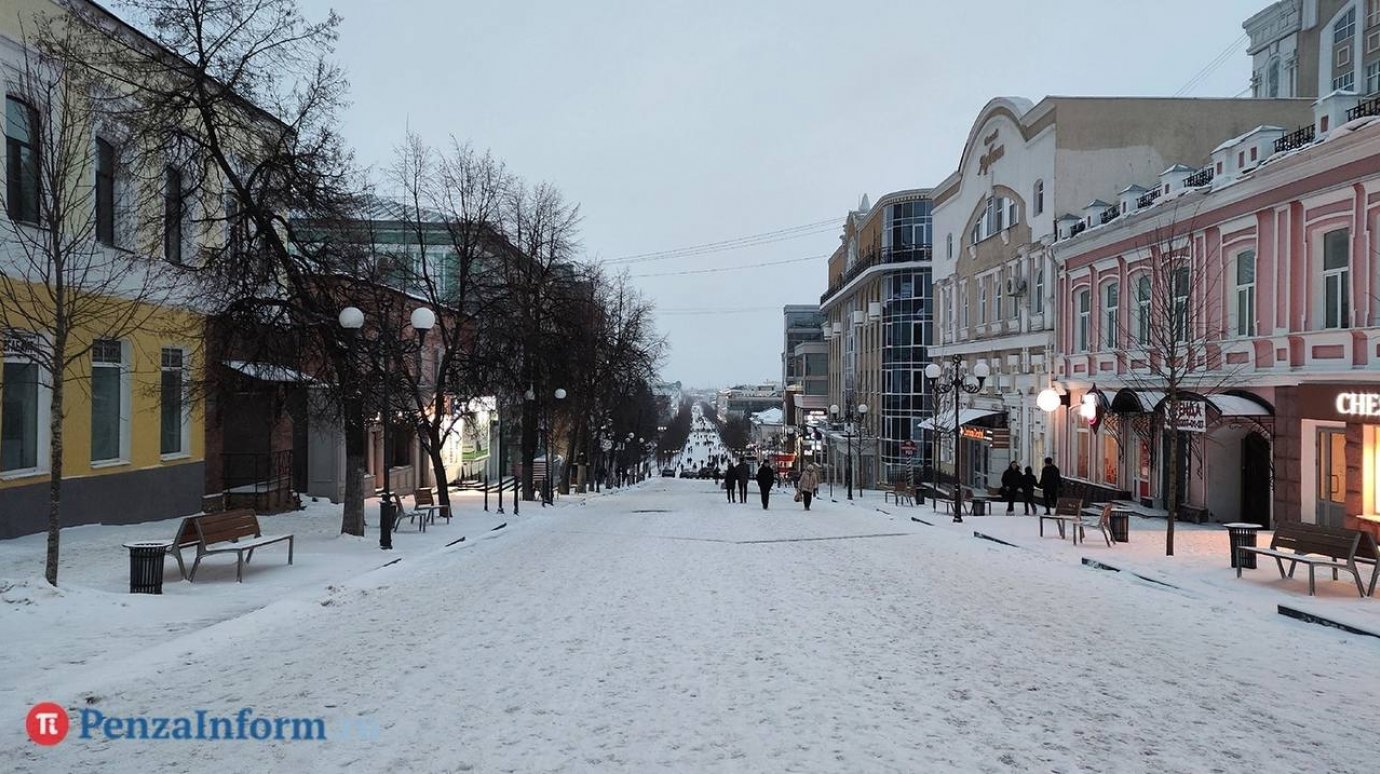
[955, 379]
[848, 433]
[548, 497]
[422, 320]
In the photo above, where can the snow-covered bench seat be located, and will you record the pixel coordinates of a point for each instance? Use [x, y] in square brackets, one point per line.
[227, 532]
[1313, 545]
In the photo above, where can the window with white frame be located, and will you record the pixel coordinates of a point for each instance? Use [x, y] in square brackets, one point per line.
[1245, 293]
[173, 402]
[1037, 300]
[1038, 201]
[1180, 284]
[22, 147]
[949, 246]
[1013, 213]
[1372, 13]
[174, 214]
[982, 300]
[1337, 279]
[1372, 77]
[1345, 82]
[105, 192]
[1111, 299]
[109, 401]
[1084, 318]
[963, 295]
[19, 405]
[1345, 28]
[1272, 79]
[1143, 309]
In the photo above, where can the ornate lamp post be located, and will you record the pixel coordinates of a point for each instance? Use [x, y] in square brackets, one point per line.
[861, 409]
[955, 379]
[422, 320]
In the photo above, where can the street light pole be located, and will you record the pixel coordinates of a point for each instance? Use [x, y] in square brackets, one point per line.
[955, 380]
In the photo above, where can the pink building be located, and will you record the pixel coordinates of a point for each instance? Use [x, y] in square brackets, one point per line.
[1262, 269]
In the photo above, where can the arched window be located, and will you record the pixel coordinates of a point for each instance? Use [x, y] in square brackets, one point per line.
[1272, 78]
[1143, 309]
[1111, 300]
[21, 160]
[1038, 200]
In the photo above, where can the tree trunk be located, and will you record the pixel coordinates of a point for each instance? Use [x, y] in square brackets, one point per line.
[1172, 498]
[353, 521]
[438, 466]
[55, 399]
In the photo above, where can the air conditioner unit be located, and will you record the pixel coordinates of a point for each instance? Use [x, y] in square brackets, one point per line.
[1015, 287]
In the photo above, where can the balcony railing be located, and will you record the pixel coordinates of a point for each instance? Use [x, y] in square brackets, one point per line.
[1148, 198]
[1370, 107]
[1110, 214]
[1200, 178]
[865, 262]
[1296, 139]
[1078, 228]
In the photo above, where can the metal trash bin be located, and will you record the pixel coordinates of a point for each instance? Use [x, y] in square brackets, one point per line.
[979, 506]
[1242, 534]
[146, 566]
[1121, 526]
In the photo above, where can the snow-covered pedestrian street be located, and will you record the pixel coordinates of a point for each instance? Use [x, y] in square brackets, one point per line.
[664, 629]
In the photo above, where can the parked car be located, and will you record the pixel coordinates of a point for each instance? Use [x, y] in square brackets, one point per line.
[668, 473]
[687, 474]
[706, 472]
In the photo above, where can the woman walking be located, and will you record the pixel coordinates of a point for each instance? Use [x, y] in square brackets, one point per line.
[731, 481]
[766, 479]
[806, 486]
[1028, 491]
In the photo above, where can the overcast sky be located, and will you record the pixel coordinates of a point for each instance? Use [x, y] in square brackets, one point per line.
[676, 124]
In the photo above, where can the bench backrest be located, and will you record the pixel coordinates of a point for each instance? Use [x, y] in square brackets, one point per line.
[1314, 539]
[226, 526]
[1069, 506]
[423, 497]
[186, 533]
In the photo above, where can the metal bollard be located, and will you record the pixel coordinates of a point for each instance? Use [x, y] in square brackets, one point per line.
[486, 492]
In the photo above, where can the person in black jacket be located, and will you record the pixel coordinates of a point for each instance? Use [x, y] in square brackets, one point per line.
[1011, 485]
[743, 477]
[730, 481]
[766, 479]
[1028, 490]
[1050, 483]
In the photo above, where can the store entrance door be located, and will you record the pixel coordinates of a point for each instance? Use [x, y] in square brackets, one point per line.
[1255, 471]
[1331, 476]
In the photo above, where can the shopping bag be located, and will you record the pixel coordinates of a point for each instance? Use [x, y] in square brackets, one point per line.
[799, 496]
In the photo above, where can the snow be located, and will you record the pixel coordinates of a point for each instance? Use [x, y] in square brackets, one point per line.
[661, 628]
[772, 416]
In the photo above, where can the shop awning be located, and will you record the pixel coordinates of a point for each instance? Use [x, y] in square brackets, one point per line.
[945, 422]
[268, 372]
[1239, 406]
[1129, 401]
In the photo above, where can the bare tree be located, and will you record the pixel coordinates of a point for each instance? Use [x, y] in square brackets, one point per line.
[65, 287]
[1173, 333]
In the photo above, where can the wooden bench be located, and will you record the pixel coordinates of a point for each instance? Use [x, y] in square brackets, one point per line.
[1314, 545]
[424, 505]
[227, 532]
[900, 491]
[1066, 510]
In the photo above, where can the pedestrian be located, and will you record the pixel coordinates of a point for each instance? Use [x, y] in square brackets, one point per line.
[806, 485]
[1011, 485]
[716, 477]
[766, 479]
[1050, 483]
[1028, 491]
[730, 481]
[744, 474]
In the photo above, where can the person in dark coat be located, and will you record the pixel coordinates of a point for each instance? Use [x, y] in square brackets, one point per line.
[1050, 483]
[1011, 485]
[716, 474]
[1028, 491]
[744, 476]
[766, 479]
[730, 481]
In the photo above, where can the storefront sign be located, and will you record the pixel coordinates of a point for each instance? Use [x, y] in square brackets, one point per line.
[973, 433]
[1358, 404]
[1190, 416]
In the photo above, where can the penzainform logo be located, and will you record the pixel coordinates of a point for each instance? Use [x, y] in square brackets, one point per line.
[48, 724]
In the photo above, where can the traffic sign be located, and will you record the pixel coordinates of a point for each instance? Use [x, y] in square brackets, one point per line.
[908, 448]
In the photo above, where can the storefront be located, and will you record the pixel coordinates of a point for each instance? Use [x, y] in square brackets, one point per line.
[984, 445]
[1327, 455]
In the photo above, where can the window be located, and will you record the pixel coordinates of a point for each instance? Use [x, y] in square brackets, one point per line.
[1372, 77]
[172, 393]
[1337, 279]
[1272, 79]
[908, 225]
[1344, 82]
[1245, 293]
[108, 403]
[1038, 297]
[1143, 309]
[1083, 451]
[105, 192]
[1013, 214]
[1039, 198]
[963, 292]
[982, 300]
[174, 208]
[1084, 316]
[949, 246]
[1372, 12]
[1345, 27]
[19, 409]
[1111, 458]
[1111, 297]
[21, 160]
[1180, 284]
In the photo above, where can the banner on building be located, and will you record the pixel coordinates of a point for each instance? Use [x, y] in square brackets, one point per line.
[1190, 416]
